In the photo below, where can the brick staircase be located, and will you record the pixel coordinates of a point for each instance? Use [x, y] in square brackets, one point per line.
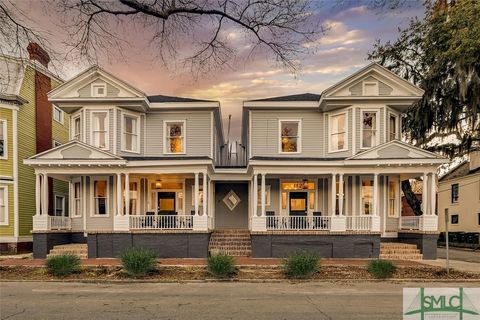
[399, 251]
[79, 249]
[232, 242]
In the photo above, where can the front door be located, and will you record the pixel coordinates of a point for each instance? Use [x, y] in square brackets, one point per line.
[298, 203]
[166, 203]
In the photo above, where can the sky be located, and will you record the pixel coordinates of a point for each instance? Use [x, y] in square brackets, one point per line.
[353, 27]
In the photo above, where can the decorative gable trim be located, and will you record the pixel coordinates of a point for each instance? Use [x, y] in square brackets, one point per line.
[398, 150]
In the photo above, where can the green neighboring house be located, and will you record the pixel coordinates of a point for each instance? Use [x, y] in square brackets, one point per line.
[29, 124]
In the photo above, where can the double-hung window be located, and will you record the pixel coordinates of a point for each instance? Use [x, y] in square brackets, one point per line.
[174, 137]
[338, 132]
[100, 197]
[57, 114]
[77, 199]
[130, 133]
[4, 205]
[290, 139]
[100, 129]
[3, 139]
[392, 127]
[367, 196]
[77, 128]
[392, 198]
[369, 129]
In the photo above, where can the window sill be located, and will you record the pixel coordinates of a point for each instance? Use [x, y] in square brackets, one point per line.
[336, 151]
[130, 151]
[175, 153]
[296, 152]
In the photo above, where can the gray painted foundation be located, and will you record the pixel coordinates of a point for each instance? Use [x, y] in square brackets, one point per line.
[168, 245]
[44, 242]
[327, 246]
[426, 243]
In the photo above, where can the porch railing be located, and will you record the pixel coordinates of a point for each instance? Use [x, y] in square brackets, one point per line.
[161, 222]
[298, 223]
[59, 223]
[411, 223]
[360, 223]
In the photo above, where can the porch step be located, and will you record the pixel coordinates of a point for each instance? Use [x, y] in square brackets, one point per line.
[399, 251]
[78, 249]
[231, 242]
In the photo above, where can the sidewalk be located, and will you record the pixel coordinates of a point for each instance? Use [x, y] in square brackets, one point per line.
[241, 261]
[455, 264]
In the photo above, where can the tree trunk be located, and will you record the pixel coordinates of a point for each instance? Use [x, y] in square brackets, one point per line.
[412, 200]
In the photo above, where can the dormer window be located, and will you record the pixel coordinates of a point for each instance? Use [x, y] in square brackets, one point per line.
[99, 90]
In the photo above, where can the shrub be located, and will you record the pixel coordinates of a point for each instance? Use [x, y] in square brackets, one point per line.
[221, 265]
[381, 269]
[139, 261]
[63, 265]
[301, 265]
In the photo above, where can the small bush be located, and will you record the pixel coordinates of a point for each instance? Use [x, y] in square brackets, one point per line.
[139, 261]
[63, 265]
[381, 269]
[301, 265]
[221, 265]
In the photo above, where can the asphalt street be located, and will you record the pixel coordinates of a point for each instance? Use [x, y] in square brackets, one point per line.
[311, 300]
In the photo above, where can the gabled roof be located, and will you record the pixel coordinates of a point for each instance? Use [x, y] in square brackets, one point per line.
[293, 97]
[161, 98]
[397, 149]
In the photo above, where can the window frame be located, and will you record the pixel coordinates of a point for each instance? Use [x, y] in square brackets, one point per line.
[123, 139]
[4, 190]
[72, 129]
[93, 198]
[397, 124]
[55, 205]
[56, 143]
[5, 139]
[452, 200]
[107, 128]
[397, 198]
[299, 136]
[73, 199]
[183, 136]
[457, 218]
[331, 133]
[62, 115]
[94, 91]
[361, 206]
[377, 127]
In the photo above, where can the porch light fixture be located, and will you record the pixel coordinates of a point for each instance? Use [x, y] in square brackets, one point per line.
[158, 184]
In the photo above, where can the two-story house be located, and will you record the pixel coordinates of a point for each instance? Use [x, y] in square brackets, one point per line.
[320, 172]
[29, 124]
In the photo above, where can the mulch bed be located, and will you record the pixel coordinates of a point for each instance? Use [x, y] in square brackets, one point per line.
[186, 273]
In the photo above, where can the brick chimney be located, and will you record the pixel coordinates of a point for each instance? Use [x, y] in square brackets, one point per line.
[37, 53]
[474, 162]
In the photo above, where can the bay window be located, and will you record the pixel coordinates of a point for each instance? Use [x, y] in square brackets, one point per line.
[369, 129]
[130, 133]
[338, 132]
[174, 137]
[100, 129]
[290, 139]
[100, 197]
[3, 139]
[77, 128]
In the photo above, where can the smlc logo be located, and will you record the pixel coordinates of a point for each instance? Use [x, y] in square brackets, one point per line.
[441, 303]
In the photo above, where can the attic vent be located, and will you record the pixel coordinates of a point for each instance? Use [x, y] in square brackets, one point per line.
[99, 90]
[370, 88]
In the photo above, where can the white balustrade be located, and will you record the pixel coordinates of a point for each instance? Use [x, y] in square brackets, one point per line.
[411, 223]
[59, 223]
[359, 223]
[161, 222]
[298, 223]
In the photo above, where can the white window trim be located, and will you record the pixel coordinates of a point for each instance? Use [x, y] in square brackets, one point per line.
[396, 180]
[184, 131]
[299, 139]
[377, 120]
[107, 128]
[369, 83]
[72, 129]
[329, 138]
[4, 189]
[94, 91]
[123, 140]
[267, 196]
[74, 213]
[397, 124]
[92, 197]
[62, 115]
[56, 141]
[55, 204]
[5, 139]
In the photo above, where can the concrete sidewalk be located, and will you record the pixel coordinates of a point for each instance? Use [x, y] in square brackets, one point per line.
[455, 264]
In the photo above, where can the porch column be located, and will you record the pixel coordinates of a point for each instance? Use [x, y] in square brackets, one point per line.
[127, 194]
[45, 194]
[38, 209]
[425, 194]
[255, 194]
[340, 194]
[375, 194]
[119, 193]
[263, 195]
[195, 196]
[334, 194]
[433, 192]
[205, 194]
[71, 196]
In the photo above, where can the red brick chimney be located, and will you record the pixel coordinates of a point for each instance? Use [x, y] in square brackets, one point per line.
[38, 53]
